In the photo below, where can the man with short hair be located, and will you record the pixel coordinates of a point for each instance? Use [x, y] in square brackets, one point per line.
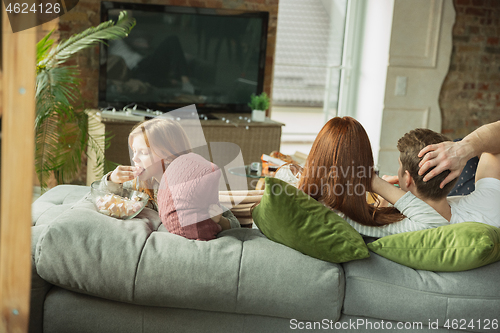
[409, 146]
[433, 181]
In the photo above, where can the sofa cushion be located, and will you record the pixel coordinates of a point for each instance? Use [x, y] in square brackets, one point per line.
[451, 248]
[380, 288]
[67, 311]
[289, 216]
[84, 250]
[239, 272]
[55, 201]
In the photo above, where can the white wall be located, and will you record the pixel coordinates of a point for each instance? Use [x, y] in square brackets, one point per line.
[372, 71]
[421, 44]
[403, 39]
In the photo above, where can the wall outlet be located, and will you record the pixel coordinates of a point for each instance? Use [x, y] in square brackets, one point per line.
[401, 82]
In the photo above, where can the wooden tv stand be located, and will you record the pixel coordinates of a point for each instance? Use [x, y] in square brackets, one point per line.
[254, 138]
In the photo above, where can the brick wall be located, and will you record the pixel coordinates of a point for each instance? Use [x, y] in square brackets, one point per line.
[470, 95]
[87, 14]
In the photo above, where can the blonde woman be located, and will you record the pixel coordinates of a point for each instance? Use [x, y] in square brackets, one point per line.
[155, 144]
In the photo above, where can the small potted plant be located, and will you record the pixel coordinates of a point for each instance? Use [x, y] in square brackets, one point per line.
[259, 105]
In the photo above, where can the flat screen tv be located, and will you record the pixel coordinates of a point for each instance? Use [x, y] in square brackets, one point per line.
[177, 56]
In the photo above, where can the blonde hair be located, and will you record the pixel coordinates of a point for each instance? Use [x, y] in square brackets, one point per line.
[166, 139]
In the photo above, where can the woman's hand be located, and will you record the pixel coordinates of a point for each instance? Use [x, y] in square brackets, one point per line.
[123, 173]
[386, 190]
[394, 180]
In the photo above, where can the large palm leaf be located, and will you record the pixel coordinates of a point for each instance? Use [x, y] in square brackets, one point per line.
[61, 125]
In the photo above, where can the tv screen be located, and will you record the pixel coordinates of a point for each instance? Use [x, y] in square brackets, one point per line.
[177, 56]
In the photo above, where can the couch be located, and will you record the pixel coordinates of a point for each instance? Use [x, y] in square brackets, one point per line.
[93, 273]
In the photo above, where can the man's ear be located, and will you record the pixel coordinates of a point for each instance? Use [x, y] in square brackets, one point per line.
[408, 179]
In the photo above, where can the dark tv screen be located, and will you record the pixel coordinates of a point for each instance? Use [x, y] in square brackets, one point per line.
[177, 56]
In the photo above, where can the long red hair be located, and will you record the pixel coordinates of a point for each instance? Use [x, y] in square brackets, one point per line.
[339, 170]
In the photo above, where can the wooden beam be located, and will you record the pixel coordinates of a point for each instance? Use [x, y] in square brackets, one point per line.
[18, 145]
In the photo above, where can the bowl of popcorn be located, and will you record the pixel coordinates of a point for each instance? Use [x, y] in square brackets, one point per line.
[123, 204]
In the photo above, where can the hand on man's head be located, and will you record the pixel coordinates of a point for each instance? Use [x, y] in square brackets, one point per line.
[442, 156]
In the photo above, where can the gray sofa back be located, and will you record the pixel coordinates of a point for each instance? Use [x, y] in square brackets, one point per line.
[137, 261]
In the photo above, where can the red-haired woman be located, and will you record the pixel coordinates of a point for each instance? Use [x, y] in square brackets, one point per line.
[339, 171]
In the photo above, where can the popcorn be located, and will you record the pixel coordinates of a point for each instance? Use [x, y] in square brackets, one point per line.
[116, 206]
[135, 197]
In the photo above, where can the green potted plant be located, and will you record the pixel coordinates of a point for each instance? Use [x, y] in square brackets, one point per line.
[61, 125]
[259, 105]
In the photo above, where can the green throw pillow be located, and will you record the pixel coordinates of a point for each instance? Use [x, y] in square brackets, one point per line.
[289, 216]
[451, 248]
